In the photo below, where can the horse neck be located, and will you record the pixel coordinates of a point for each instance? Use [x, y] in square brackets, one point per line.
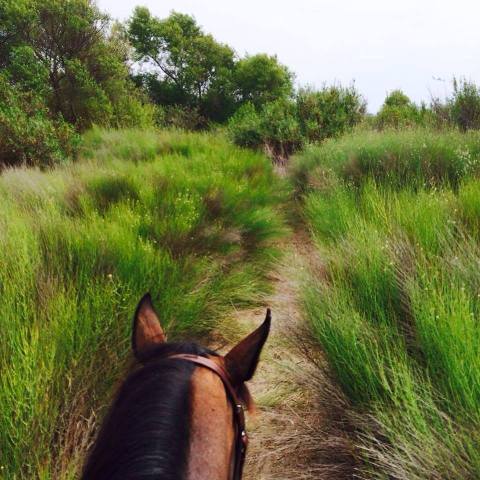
[146, 433]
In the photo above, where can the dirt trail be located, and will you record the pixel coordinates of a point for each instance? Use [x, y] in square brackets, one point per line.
[295, 433]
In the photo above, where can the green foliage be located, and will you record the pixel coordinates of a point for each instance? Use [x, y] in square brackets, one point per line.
[328, 112]
[189, 218]
[398, 111]
[27, 134]
[63, 55]
[464, 105]
[260, 79]
[283, 126]
[194, 70]
[16, 17]
[281, 131]
[397, 313]
[398, 99]
[88, 102]
[245, 127]
[132, 110]
[189, 71]
[28, 72]
[274, 128]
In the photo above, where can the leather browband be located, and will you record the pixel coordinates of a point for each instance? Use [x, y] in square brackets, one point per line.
[241, 442]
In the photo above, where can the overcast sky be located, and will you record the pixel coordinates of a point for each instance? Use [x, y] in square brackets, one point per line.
[381, 44]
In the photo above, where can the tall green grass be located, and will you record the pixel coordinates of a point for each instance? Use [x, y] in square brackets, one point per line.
[396, 217]
[187, 217]
[410, 158]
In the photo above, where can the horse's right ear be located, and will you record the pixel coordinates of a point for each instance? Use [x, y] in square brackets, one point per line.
[147, 331]
[241, 361]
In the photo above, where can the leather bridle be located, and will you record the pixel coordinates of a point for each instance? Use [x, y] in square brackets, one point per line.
[241, 440]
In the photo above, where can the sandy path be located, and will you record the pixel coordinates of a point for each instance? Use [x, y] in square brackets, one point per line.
[295, 433]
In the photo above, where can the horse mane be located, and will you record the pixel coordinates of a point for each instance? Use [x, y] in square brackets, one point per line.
[145, 435]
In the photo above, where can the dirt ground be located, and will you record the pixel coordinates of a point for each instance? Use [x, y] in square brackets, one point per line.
[298, 431]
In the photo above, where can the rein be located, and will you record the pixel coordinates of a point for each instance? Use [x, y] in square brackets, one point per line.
[241, 441]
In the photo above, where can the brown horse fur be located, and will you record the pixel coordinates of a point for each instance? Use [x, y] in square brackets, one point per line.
[172, 420]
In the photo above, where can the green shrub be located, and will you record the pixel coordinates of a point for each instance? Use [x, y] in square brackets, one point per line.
[398, 111]
[280, 128]
[133, 111]
[464, 105]
[28, 136]
[245, 127]
[274, 128]
[328, 112]
[397, 98]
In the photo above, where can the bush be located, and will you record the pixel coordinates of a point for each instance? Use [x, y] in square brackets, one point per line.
[398, 111]
[66, 53]
[281, 130]
[274, 128]
[282, 127]
[28, 136]
[245, 127]
[464, 106]
[133, 111]
[329, 112]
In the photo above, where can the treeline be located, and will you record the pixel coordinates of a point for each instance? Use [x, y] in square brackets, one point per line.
[460, 110]
[194, 79]
[66, 66]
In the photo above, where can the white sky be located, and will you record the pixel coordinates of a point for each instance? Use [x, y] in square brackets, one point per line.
[381, 44]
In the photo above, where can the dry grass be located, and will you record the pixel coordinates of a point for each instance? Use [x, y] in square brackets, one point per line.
[299, 430]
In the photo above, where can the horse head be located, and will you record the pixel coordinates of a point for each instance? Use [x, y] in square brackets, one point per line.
[180, 414]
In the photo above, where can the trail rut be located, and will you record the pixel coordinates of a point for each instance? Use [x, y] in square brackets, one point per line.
[298, 431]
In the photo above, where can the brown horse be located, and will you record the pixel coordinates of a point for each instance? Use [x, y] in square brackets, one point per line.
[179, 416]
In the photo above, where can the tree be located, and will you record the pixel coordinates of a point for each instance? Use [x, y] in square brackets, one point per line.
[66, 52]
[260, 79]
[62, 65]
[187, 67]
[15, 18]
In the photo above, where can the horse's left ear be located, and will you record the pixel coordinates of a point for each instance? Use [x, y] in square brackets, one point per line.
[147, 331]
[242, 359]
